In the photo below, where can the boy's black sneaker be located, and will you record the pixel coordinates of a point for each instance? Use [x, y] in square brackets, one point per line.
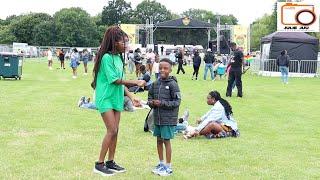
[113, 166]
[100, 168]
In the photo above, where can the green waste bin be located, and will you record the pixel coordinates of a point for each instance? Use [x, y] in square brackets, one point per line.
[10, 65]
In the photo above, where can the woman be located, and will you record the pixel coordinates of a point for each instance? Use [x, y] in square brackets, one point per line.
[85, 59]
[109, 85]
[218, 121]
[74, 63]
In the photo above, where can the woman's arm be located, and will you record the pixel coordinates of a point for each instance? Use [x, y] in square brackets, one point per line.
[140, 83]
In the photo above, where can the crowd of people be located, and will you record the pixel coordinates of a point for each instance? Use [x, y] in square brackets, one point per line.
[75, 57]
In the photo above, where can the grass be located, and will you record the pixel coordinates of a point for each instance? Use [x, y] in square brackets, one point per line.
[43, 134]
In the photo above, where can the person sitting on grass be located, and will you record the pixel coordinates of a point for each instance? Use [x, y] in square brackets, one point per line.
[218, 122]
[85, 102]
[128, 105]
[146, 77]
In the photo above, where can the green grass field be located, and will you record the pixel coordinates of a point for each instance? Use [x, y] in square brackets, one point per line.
[43, 134]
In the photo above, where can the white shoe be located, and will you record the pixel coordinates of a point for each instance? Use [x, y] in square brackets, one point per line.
[85, 74]
[74, 77]
[185, 116]
[157, 168]
[50, 68]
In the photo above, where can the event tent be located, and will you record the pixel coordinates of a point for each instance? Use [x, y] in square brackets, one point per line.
[300, 46]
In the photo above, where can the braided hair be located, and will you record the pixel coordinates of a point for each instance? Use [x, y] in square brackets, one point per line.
[108, 45]
[224, 103]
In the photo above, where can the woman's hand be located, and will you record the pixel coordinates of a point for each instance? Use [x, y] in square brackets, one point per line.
[136, 102]
[198, 120]
[141, 83]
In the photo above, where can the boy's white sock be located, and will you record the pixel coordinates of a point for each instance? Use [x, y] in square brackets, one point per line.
[169, 165]
[161, 162]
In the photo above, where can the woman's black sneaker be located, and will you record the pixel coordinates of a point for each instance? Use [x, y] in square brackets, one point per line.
[100, 168]
[111, 165]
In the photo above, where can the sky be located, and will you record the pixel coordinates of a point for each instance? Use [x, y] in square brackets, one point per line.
[246, 11]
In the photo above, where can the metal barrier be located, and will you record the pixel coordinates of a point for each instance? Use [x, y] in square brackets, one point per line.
[308, 66]
[296, 66]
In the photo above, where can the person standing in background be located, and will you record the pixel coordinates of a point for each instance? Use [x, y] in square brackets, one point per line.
[75, 62]
[131, 65]
[208, 59]
[150, 60]
[85, 59]
[235, 73]
[180, 56]
[196, 64]
[162, 50]
[49, 55]
[61, 58]
[137, 61]
[283, 61]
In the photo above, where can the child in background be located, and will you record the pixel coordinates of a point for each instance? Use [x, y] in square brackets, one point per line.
[155, 67]
[164, 97]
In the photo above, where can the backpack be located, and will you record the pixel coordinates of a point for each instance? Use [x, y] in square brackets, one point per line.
[149, 122]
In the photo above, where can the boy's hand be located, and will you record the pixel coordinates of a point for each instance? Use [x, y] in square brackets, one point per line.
[150, 103]
[156, 103]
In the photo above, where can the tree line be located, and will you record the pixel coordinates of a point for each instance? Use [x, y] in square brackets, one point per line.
[75, 27]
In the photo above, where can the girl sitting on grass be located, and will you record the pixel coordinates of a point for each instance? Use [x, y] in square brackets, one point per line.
[217, 122]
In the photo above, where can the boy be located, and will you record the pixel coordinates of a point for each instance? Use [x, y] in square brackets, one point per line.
[164, 97]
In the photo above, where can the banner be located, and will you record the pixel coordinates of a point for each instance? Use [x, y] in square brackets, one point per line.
[298, 16]
[131, 30]
[240, 36]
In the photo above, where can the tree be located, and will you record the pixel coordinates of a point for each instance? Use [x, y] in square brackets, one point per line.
[175, 16]
[260, 28]
[147, 9]
[74, 27]
[199, 14]
[204, 15]
[264, 26]
[23, 27]
[97, 19]
[6, 36]
[116, 11]
[44, 33]
[101, 30]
